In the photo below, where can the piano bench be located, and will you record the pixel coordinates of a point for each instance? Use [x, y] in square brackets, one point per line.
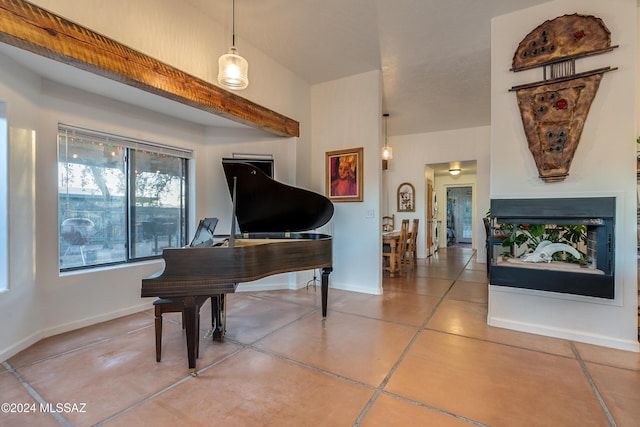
[165, 305]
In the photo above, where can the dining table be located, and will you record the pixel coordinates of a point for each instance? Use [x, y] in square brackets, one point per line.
[392, 238]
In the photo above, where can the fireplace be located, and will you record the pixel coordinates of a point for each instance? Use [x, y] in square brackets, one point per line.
[586, 225]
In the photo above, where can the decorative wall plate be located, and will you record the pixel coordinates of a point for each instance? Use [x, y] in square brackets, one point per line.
[554, 110]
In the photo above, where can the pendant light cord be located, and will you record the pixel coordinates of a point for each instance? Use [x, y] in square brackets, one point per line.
[386, 117]
[233, 23]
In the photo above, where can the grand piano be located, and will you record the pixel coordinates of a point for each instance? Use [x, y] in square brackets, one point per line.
[274, 220]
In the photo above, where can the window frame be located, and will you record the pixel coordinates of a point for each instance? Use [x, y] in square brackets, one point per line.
[130, 147]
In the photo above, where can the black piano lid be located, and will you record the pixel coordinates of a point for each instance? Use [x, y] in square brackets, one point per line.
[266, 205]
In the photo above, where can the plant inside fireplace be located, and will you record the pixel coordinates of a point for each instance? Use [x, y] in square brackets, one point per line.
[527, 237]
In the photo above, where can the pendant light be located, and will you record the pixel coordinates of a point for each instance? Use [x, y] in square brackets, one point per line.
[232, 68]
[387, 152]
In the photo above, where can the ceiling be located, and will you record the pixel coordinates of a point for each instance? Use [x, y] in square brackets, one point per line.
[434, 54]
[468, 167]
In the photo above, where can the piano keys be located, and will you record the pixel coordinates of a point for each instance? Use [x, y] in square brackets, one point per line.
[274, 219]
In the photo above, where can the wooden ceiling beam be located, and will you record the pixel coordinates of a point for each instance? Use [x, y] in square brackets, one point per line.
[37, 30]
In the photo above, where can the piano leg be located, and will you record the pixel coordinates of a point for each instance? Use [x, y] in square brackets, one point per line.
[325, 288]
[191, 313]
[218, 317]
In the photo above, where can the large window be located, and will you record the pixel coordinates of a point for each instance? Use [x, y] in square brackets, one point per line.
[119, 199]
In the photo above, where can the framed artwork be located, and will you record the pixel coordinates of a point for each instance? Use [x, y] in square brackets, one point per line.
[344, 175]
[406, 198]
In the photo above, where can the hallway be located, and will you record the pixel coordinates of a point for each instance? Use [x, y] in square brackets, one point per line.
[419, 355]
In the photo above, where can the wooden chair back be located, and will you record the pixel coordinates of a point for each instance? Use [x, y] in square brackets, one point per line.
[412, 246]
[388, 222]
[485, 222]
[402, 245]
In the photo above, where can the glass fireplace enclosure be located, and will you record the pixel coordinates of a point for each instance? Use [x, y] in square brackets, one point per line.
[556, 245]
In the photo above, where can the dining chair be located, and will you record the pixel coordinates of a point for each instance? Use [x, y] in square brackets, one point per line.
[389, 257]
[412, 256]
[388, 222]
[394, 253]
[401, 256]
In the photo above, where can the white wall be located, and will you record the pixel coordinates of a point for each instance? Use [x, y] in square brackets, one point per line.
[19, 304]
[604, 165]
[179, 35]
[347, 113]
[40, 302]
[185, 38]
[4, 198]
[411, 154]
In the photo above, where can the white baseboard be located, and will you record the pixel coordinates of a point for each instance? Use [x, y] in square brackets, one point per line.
[16, 348]
[604, 341]
[256, 287]
[350, 287]
[88, 321]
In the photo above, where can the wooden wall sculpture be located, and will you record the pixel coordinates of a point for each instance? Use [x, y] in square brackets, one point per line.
[554, 110]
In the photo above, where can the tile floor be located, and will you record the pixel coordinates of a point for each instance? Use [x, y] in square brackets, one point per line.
[419, 355]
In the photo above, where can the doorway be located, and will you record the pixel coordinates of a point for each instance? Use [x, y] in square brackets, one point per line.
[459, 216]
[451, 175]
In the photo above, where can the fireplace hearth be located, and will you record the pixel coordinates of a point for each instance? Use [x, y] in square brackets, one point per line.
[585, 224]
